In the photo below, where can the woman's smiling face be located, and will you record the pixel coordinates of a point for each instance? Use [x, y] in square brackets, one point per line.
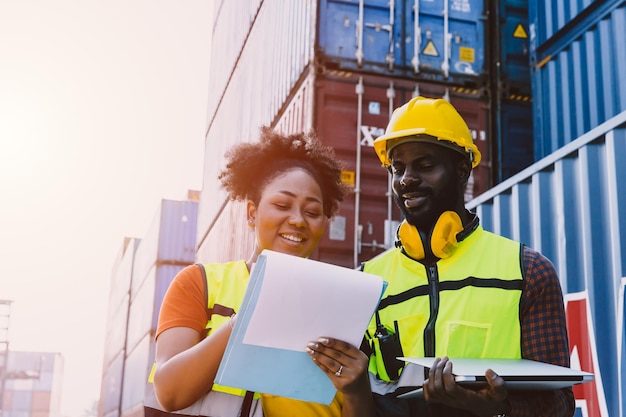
[289, 217]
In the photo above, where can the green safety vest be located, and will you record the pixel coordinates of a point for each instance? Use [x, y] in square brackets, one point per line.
[464, 306]
[226, 285]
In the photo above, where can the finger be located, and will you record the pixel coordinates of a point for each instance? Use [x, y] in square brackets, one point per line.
[323, 357]
[497, 387]
[341, 346]
[448, 379]
[438, 373]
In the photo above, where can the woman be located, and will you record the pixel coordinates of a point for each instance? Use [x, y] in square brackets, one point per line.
[291, 186]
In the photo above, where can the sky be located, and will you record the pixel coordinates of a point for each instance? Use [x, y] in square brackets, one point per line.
[102, 114]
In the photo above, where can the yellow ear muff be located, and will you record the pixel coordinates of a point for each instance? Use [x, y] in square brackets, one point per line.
[443, 238]
[410, 240]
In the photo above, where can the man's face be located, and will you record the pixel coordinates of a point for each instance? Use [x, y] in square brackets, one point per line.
[427, 180]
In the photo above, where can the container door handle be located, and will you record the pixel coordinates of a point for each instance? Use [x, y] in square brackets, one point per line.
[417, 37]
[390, 55]
[359, 36]
[447, 39]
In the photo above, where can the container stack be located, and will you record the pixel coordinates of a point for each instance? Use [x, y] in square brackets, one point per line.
[579, 104]
[142, 273]
[577, 66]
[340, 68]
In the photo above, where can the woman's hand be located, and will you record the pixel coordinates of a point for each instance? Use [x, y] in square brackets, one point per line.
[346, 366]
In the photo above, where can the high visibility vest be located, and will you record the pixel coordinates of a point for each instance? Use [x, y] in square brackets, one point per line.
[226, 285]
[464, 306]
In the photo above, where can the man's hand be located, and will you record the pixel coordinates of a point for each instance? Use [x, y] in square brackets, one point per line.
[440, 387]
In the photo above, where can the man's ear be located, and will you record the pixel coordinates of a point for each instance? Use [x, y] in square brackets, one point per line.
[464, 168]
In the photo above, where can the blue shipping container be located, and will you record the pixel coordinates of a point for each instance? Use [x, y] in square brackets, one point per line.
[512, 45]
[432, 40]
[577, 68]
[581, 228]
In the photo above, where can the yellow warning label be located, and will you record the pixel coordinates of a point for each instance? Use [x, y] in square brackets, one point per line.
[348, 178]
[430, 49]
[466, 54]
[520, 32]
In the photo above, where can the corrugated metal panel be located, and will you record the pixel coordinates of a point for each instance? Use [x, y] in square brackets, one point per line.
[514, 147]
[231, 27]
[115, 333]
[122, 273]
[581, 227]
[111, 391]
[557, 19]
[230, 222]
[436, 40]
[177, 232]
[513, 39]
[144, 309]
[578, 60]
[136, 369]
[258, 87]
[171, 239]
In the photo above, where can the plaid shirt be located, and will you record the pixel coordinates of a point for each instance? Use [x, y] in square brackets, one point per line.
[544, 337]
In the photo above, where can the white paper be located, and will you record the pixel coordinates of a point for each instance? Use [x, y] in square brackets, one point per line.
[302, 300]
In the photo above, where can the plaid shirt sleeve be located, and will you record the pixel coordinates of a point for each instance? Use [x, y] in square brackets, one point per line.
[544, 337]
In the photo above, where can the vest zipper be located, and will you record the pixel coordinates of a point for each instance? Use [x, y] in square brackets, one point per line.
[429, 330]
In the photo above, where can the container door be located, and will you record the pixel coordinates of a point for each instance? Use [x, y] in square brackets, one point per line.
[450, 34]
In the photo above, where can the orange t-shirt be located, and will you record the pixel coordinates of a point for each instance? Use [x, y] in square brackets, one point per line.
[185, 302]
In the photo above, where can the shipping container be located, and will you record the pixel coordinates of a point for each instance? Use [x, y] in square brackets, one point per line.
[581, 228]
[278, 87]
[241, 36]
[144, 309]
[577, 65]
[257, 87]
[437, 40]
[348, 111]
[122, 273]
[509, 85]
[32, 384]
[511, 125]
[169, 246]
[170, 240]
[115, 332]
[232, 22]
[111, 389]
[136, 370]
[508, 50]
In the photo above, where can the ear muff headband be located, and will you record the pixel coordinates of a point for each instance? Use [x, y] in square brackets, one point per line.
[443, 237]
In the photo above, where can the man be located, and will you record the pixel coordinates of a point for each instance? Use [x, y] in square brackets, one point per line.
[454, 289]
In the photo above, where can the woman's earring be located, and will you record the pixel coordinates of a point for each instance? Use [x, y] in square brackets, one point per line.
[251, 222]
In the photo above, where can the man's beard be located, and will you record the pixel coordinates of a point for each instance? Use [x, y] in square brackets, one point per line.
[447, 199]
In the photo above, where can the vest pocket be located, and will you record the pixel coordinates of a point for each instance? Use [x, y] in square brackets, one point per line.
[465, 339]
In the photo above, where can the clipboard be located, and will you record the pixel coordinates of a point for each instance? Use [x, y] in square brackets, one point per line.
[518, 374]
[290, 301]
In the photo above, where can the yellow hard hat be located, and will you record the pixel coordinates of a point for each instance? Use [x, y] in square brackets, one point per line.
[430, 120]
